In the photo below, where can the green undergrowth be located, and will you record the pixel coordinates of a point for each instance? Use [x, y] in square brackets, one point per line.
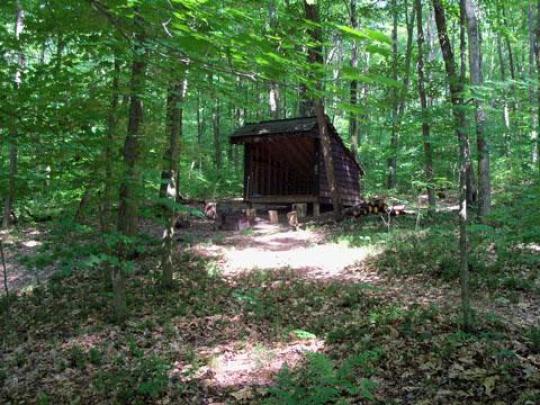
[504, 250]
[60, 344]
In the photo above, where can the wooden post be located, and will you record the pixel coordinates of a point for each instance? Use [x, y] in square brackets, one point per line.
[301, 209]
[316, 209]
[292, 219]
[273, 216]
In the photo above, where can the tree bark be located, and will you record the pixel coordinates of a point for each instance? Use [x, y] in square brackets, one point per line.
[354, 87]
[538, 73]
[315, 57]
[217, 136]
[392, 160]
[12, 137]
[274, 99]
[472, 189]
[129, 194]
[532, 90]
[112, 123]
[456, 94]
[426, 130]
[477, 80]
[169, 186]
[401, 97]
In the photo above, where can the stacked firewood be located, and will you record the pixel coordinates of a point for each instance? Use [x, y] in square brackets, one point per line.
[375, 206]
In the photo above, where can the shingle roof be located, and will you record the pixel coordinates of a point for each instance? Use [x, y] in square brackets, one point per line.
[285, 126]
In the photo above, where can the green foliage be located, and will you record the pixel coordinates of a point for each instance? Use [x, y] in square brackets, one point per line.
[321, 381]
[144, 379]
[533, 336]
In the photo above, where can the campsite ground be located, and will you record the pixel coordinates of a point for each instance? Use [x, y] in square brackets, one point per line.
[354, 311]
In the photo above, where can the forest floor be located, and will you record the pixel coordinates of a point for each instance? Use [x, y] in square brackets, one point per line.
[349, 311]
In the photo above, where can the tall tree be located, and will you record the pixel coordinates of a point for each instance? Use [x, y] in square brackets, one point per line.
[426, 129]
[274, 95]
[316, 59]
[538, 73]
[354, 85]
[456, 96]
[169, 186]
[13, 131]
[108, 153]
[400, 94]
[129, 188]
[477, 80]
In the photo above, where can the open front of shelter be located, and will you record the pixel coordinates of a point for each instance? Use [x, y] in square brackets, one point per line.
[283, 163]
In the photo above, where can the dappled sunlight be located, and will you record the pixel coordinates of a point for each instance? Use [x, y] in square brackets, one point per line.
[248, 364]
[272, 247]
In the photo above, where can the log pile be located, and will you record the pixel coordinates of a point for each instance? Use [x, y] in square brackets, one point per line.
[375, 206]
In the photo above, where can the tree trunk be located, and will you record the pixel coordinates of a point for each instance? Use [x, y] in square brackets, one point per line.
[392, 160]
[505, 111]
[426, 130]
[354, 87]
[129, 193]
[456, 94]
[532, 99]
[472, 190]
[12, 138]
[315, 57]
[537, 50]
[217, 136]
[274, 102]
[401, 96]
[477, 80]
[112, 121]
[168, 186]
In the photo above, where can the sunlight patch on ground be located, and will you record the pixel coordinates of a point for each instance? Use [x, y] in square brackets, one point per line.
[321, 261]
[31, 243]
[253, 365]
[272, 247]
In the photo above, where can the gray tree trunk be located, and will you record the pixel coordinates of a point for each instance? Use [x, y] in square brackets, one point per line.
[426, 130]
[456, 94]
[109, 154]
[538, 73]
[169, 186]
[392, 160]
[274, 96]
[354, 87]
[129, 188]
[12, 138]
[315, 56]
[401, 97]
[477, 80]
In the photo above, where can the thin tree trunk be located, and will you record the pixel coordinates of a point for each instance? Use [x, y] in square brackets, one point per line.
[217, 136]
[168, 186]
[169, 176]
[129, 193]
[477, 80]
[274, 96]
[537, 51]
[4, 269]
[354, 87]
[426, 130]
[505, 111]
[112, 122]
[392, 160]
[472, 190]
[532, 99]
[456, 94]
[315, 57]
[12, 138]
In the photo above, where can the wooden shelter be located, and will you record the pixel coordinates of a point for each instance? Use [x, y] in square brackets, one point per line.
[283, 163]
